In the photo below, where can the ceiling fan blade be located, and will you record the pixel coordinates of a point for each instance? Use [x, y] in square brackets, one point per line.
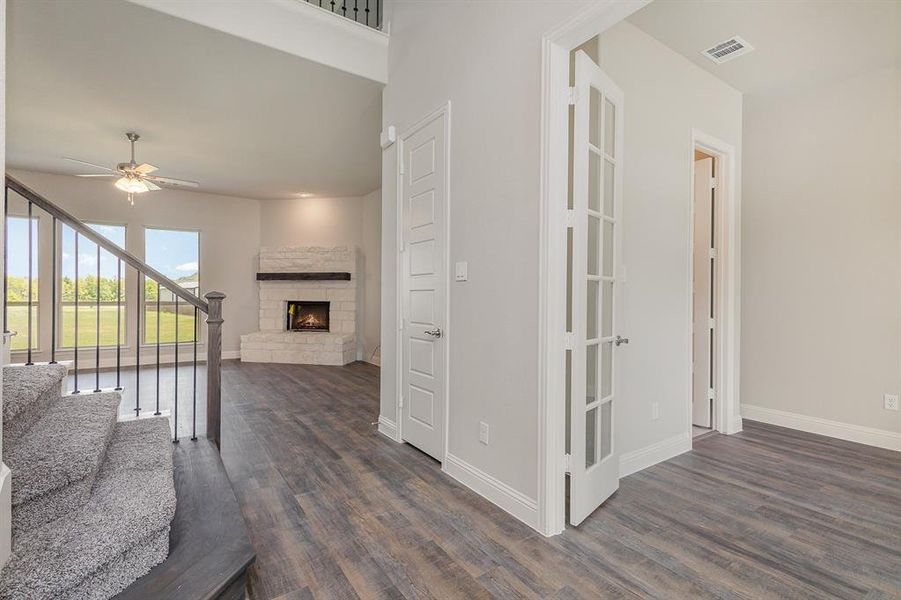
[145, 169]
[170, 181]
[90, 164]
[150, 185]
[97, 175]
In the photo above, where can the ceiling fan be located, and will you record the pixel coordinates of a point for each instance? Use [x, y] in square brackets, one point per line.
[132, 177]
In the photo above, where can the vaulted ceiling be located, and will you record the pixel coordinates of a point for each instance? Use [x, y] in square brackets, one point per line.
[240, 118]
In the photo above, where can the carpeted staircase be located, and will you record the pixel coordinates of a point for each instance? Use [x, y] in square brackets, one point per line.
[92, 498]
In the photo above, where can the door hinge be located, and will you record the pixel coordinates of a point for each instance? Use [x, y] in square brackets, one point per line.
[569, 340]
[400, 401]
[713, 183]
[401, 165]
[573, 95]
[570, 218]
[567, 463]
[712, 253]
[711, 394]
[711, 323]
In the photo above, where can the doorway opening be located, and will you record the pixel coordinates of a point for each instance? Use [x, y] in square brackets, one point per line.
[705, 333]
[713, 274]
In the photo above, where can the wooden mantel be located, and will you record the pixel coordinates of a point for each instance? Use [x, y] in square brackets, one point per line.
[328, 276]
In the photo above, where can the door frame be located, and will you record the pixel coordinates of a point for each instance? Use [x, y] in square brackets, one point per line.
[443, 111]
[556, 45]
[727, 275]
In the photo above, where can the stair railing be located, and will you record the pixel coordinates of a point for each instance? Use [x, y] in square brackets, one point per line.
[211, 307]
[365, 12]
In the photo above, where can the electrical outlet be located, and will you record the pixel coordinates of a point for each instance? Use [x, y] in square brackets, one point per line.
[483, 432]
[890, 401]
[461, 271]
[655, 411]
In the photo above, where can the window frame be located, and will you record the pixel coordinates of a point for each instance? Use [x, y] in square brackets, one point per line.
[143, 302]
[36, 303]
[60, 303]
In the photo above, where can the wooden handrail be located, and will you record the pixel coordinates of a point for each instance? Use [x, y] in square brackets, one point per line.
[127, 257]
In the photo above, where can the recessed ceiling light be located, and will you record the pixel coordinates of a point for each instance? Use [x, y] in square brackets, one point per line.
[304, 195]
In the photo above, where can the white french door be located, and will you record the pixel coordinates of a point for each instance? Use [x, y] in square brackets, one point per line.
[596, 217]
[424, 252]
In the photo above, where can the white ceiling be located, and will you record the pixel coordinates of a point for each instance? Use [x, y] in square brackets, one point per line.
[797, 43]
[240, 118]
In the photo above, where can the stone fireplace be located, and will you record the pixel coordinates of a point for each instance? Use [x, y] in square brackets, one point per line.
[308, 307]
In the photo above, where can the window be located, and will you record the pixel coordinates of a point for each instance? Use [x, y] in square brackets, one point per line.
[110, 286]
[17, 282]
[176, 254]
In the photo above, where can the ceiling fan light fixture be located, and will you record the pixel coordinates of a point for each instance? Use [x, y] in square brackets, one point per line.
[132, 185]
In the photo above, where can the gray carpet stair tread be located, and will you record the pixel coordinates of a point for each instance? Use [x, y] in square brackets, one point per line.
[29, 390]
[127, 509]
[23, 385]
[139, 445]
[65, 446]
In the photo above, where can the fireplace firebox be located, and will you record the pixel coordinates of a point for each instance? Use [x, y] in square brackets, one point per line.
[307, 316]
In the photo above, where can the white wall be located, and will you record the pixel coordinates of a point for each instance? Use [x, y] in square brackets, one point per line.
[822, 252]
[666, 96]
[488, 65]
[229, 233]
[335, 222]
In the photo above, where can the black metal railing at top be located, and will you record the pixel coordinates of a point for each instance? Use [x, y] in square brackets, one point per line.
[367, 12]
[91, 299]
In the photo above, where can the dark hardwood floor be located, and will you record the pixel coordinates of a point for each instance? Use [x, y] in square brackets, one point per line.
[335, 510]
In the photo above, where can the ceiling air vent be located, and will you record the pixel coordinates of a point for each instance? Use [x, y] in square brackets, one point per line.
[725, 51]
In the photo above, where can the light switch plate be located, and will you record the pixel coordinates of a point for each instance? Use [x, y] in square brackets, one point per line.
[461, 271]
[483, 432]
[890, 401]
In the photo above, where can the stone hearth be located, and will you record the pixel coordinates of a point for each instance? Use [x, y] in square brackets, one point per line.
[273, 343]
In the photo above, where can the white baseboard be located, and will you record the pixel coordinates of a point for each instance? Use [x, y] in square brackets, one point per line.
[635, 461]
[890, 440]
[231, 354]
[388, 428]
[516, 503]
[735, 426]
[5, 513]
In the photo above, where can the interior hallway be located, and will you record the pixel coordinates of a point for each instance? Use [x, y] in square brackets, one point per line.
[335, 510]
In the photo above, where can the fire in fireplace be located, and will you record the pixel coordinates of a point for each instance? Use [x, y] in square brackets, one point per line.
[307, 316]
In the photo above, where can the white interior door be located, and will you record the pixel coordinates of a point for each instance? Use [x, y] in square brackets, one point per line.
[597, 210]
[423, 247]
[703, 305]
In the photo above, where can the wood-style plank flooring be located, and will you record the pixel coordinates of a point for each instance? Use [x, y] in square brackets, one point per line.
[334, 510]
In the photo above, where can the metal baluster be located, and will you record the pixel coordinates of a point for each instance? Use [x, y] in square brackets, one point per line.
[119, 325]
[175, 399]
[343, 8]
[5, 255]
[53, 300]
[30, 281]
[366, 10]
[157, 349]
[75, 349]
[97, 338]
[333, 5]
[356, 10]
[139, 304]
[194, 409]
[378, 14]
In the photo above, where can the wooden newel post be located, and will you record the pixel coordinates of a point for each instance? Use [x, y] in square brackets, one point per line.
[214, 366]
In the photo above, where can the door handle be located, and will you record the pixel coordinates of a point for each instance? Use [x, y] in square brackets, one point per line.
[619, 340]
[435, 333]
